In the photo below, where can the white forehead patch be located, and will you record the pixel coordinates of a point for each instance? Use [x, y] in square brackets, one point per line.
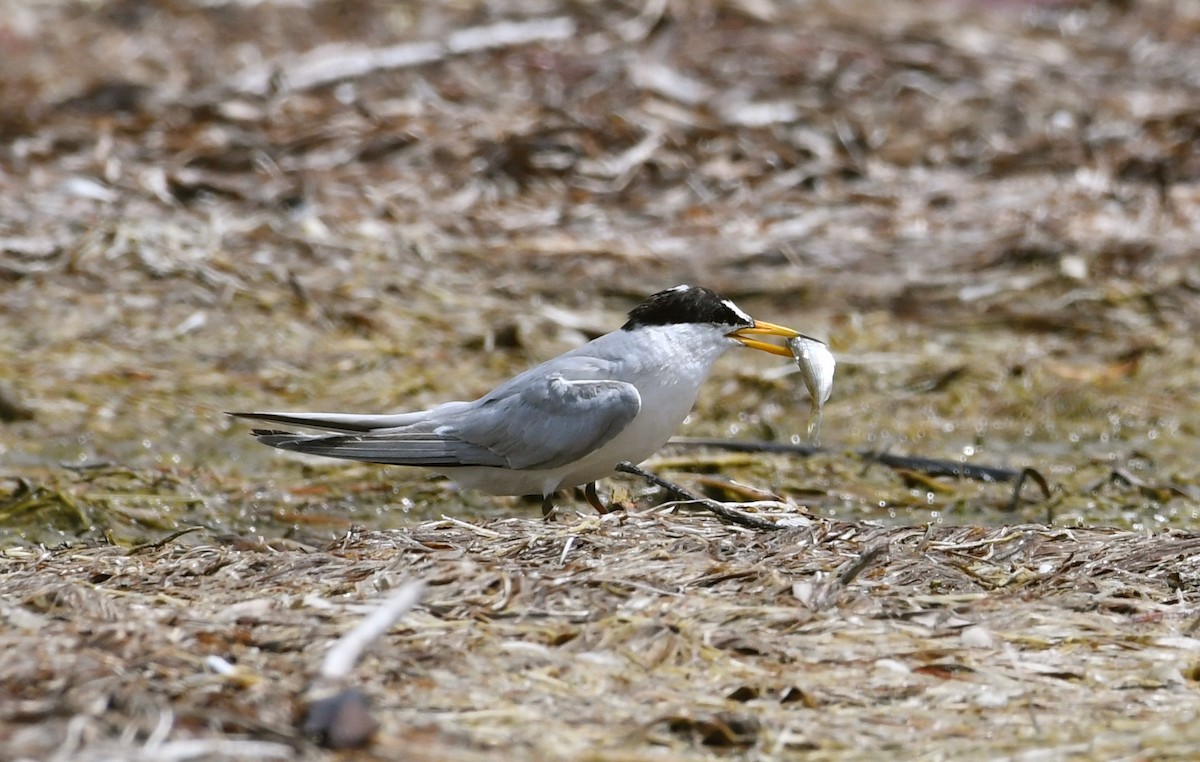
[737, 310]
[681, 287]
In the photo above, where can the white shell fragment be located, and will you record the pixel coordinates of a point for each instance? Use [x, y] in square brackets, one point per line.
[816, 366]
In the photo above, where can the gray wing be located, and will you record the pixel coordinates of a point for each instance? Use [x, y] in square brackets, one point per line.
[541, 422]
[549, 423]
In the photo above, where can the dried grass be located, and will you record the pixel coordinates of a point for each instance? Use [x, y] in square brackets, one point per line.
[623, 637]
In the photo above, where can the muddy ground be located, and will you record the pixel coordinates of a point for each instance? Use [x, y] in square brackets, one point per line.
[990, 210]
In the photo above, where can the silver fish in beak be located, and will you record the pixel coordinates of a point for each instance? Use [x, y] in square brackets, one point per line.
[816, 366]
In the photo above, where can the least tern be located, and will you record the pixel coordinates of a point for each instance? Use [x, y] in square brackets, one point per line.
[564, 423]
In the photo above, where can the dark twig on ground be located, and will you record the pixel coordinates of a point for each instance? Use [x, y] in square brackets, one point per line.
[928, 466]
[722, 511]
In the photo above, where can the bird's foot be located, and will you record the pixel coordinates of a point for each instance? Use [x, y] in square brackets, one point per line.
[549, 510]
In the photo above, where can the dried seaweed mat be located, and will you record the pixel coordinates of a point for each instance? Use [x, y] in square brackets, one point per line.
[616, 637]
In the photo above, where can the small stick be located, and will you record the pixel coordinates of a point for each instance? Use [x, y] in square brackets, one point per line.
[346, 652]
[337, 715]
[164, 541]
[853, 568]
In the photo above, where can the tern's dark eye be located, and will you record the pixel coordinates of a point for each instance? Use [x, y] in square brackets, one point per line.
[687, 304]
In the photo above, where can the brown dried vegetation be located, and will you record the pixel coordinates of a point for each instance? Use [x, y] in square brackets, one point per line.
[990, 209]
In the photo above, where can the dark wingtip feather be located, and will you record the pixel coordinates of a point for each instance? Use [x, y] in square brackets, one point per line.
[252, 416]
[290, 440]
[240, 414]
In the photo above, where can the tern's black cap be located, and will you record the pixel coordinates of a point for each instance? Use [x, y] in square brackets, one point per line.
[686, 304]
